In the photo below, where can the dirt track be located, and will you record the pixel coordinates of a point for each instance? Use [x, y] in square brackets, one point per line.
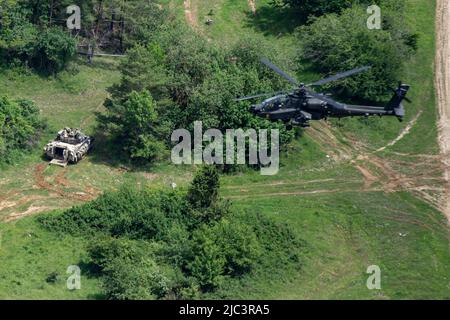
[190, 13]
[443, 90]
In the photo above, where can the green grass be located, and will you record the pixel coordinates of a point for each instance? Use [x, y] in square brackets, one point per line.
[70, 98]
[346, 227]
[346, 233]
[29, 254]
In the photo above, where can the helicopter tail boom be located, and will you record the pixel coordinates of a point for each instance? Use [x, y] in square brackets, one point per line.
[395, 105]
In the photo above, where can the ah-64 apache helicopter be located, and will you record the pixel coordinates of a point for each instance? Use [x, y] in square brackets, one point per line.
[298, 106]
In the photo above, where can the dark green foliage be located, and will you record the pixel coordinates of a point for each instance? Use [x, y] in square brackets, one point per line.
[128, 213]
[35, 31]
[316, 7]
[52, 50]
[129, 270]
[204, 189]
[227, 248]
[150, 245]
[321, 7]
[52, 277]
[335, 43]
[187, 77]
[277, 238]
[20, 127]
[24, 37]
[136, 124]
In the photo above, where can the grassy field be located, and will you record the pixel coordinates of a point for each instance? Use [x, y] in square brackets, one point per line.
[354, 206]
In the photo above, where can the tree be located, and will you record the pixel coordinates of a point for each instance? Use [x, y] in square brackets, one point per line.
[204, 189]
[316, 7]
[208, 264]
[52, 51]
[187, 76]
[321, 7]
[24, 38]
[135, 124]
[334, 43]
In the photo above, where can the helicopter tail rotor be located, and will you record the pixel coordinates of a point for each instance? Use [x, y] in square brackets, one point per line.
[395, 104]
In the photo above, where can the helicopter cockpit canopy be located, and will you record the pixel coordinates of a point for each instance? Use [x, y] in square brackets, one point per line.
[275, 103]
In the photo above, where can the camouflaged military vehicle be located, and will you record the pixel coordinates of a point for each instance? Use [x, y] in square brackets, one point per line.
[70, 146]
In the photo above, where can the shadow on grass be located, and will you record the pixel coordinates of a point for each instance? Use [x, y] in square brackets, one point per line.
[275, 21]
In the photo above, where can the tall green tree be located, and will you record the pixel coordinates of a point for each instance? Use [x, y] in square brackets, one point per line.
[334, 43]
[135, 124]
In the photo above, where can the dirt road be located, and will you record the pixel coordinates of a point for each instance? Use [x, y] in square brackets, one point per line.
[443, 90]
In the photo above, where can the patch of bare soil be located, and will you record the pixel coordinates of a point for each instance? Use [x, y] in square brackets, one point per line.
[323, 133]
[442, 82]
[419, 177]
[190, 13]
[300, 193]
[252, 5]
[58, 189]
[61, 180]
[31, 210]
[369, 177]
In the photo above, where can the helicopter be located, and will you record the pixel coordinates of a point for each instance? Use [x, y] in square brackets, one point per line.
[300, 105]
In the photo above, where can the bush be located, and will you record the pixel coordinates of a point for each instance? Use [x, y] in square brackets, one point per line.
[46, 49]
[21, 127]
[137, 127]
[204, 190]
[149, 245]
[128, 213]
[129, 271]
[52, 50]
[208, 262]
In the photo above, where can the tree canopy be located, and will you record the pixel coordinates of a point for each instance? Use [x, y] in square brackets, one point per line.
[334, 43]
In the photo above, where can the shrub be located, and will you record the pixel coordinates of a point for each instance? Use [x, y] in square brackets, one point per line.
[46, 49]
[147, 245]
[21, 127]
[129, 271]
[129, 213]
[52, 50]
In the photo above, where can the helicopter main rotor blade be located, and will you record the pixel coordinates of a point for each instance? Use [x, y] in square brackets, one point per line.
[259, 95]
[340, 76]
[280, 72]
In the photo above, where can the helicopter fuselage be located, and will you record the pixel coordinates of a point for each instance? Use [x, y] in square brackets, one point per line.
[302, 104]
[299, 109]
